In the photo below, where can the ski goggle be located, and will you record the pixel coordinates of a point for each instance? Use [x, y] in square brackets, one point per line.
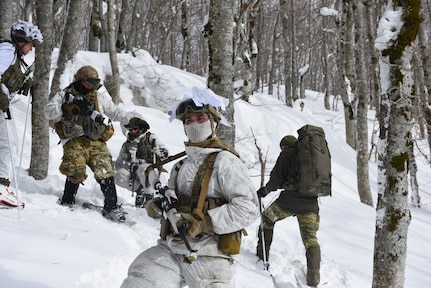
[188, 106]
[132, 129]
[92, 81]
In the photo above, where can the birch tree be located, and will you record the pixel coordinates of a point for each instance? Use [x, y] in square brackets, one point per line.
[70, 40]
[362, 94]
[220, 71]
[40, 125]
[397, 29]
[5, 18]
[113, 84]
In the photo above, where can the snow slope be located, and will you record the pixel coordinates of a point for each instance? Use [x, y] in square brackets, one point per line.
[46, 245]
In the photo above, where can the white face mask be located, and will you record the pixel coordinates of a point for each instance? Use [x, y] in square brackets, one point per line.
[198, 132]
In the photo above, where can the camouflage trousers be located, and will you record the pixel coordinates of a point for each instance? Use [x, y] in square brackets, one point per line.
[308, 223]
[80, 152]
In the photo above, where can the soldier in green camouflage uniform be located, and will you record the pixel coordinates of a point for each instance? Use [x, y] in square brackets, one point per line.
[82, 121]
[291, 203]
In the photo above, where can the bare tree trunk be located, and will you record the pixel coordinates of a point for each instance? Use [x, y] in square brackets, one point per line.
[40, 125]
[70, 41]
[345, 71]
[6, 17]
[131, 40]
[103, 23]
[96, 33]
[393, 214]
[327, 71]
[185, 31]
[362, 93]
[413, 169]
[274, 62]
[113, 84]
[373, 70]
[220, 73]
[292, 49]
[287, 54]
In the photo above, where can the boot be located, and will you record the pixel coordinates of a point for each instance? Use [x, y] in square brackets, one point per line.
[268, 234]
[313, 266]
[7, 197]
[111, 210]
[70, 190]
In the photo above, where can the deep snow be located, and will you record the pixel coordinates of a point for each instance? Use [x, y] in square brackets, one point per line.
[46, 245]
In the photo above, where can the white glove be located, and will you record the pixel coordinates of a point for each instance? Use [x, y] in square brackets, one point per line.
[99, 117]
[170, 194]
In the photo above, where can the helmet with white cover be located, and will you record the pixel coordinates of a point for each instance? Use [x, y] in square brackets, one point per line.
[23, 31]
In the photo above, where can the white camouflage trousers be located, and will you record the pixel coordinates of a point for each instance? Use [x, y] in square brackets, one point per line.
[5, 159]
[159, 267]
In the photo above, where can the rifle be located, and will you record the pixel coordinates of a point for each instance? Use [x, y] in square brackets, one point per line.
[170, 214]
[133, 167]
[167, 160]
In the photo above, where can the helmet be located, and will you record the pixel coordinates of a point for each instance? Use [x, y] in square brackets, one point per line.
[287, 140]
[136, 127]
[88, 74]
[22, 31]
[201, 100]
[136, 122]
[189, 106]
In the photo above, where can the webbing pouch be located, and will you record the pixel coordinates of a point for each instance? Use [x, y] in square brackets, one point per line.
[231, 243]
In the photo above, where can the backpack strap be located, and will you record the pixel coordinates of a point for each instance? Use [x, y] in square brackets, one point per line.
[209, 164]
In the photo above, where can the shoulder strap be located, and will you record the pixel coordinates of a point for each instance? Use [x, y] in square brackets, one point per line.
[209, 163]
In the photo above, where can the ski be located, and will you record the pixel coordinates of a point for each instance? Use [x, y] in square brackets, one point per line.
[94, 207]
[4, 206]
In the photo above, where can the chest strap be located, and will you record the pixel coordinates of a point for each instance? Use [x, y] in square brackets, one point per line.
[200, 184]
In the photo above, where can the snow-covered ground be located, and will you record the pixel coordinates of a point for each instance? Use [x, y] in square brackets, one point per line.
[47, 245]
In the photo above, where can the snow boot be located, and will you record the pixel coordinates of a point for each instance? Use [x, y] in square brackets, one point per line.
[313, 265]
[110, 210]
[7, 197]
[116, 214]
[70, 190]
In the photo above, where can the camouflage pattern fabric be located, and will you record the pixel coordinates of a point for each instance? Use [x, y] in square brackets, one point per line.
[308, 223]
[81, 151]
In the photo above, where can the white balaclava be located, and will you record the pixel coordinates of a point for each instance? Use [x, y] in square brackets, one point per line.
[198, 132]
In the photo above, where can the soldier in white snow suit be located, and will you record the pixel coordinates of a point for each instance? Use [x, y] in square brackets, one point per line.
[141, 149]
[81, 114]
[204, 255]
[14, 79]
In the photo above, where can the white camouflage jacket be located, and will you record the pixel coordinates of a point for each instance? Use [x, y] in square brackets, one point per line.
[229, 180]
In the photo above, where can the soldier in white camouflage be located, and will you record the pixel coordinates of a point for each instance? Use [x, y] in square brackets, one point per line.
[141, 149]
[14, 79]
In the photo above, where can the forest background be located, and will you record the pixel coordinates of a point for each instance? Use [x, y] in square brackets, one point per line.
[242, 47]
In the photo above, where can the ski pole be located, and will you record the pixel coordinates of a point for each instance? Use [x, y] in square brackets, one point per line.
[23, 136]
[262, 234]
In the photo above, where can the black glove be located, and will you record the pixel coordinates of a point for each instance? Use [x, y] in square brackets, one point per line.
[84, 105]
[262, 192]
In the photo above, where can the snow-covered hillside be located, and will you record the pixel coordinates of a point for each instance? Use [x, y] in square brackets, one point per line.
[47, 245]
